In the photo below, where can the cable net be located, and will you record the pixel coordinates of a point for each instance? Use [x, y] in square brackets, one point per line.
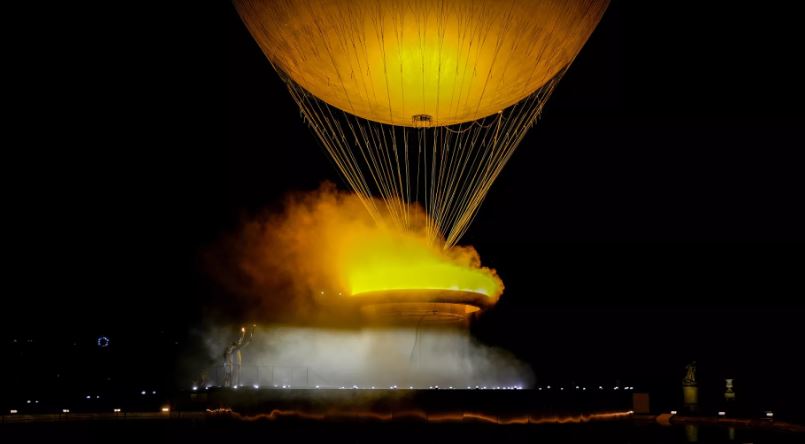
[446, 169]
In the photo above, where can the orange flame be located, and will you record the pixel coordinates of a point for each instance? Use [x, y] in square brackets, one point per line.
[326, 244]
[377, 258]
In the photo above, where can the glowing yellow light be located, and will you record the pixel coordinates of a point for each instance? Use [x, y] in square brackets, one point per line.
[328, 245]
[393, 61]
[418, 269]
[387, 258]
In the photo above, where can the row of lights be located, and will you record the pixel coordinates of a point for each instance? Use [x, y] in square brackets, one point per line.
[255, 386]
[600, 387]
[436, 387]
[768, 414]
[164, 410]
[432, 387]
[392, 387]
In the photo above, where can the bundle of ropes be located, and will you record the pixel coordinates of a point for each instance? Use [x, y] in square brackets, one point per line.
[447, 169]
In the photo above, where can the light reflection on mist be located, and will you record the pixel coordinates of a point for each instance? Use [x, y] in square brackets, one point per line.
[400, 357]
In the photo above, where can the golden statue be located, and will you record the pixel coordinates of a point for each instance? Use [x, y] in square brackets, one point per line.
[690, 375]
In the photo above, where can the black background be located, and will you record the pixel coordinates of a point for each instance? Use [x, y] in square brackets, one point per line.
[652, 217]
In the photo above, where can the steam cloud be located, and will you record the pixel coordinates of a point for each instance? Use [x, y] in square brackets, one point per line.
[380, 357]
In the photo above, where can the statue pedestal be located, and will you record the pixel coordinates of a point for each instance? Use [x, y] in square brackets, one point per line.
[690, 394]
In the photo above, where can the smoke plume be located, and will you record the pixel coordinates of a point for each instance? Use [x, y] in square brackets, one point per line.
[308, 260]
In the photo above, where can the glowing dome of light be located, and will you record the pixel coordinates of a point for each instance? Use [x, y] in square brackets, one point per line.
[397, 61]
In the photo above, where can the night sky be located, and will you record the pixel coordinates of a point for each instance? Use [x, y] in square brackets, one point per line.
[652, 217]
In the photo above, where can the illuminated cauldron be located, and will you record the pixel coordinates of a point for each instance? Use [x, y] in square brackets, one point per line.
[421, 306]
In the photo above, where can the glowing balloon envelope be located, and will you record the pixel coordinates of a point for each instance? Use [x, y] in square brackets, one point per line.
[421, 101]
[406, 62]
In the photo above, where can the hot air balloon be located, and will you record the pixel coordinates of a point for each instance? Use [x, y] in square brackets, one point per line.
[421, 100]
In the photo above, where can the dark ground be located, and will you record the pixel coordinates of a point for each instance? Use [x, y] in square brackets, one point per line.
[290, 431]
